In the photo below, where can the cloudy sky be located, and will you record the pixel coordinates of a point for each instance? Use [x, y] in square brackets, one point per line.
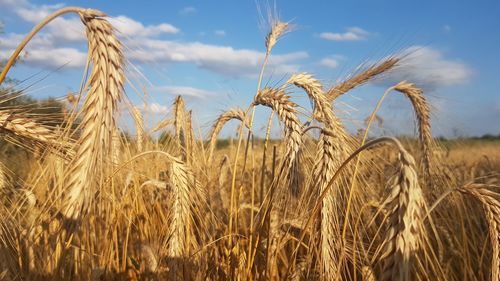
[211, 52]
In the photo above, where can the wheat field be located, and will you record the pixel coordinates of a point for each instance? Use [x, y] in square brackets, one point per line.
[319, 203]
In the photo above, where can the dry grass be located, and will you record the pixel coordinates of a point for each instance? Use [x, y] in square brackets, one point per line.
[140, 208]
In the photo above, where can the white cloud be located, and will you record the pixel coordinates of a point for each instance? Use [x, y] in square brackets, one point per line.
[65, 38]
[13, 3]
[329, 62]
[428, 69]
[446, 28]
[352, 34]
[155, 108]
[131, 28]
[188, 11]
[184, 91]
[221, 33]
[69, 57]
[221, 59]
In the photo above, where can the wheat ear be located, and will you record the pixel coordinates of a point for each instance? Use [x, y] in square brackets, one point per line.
[105, 90]
[179, 117]
[405, 233]
[285, 109]
[27, 129]
[162, 124]
[323, 111]
[329, 158]
[491, 205]
[139, 127]
[180, 227]
[361, 78]
[235, 113]
[421, 108]
[277, 30]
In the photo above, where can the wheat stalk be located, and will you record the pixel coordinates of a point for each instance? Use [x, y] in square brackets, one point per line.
[405, 233]
[491, 205]
[421, 108]
[105, 90]
[360, 79]
[235, 113]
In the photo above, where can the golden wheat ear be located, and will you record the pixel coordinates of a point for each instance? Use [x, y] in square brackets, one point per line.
[421, 108]
[361, 78]
[491, 204]
[104, 90]
[280, 103]
[328, 161]
[406, 232]
[139, 127]
[28, 129]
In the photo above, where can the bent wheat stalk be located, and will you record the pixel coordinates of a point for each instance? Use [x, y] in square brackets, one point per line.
[278, 101]
[225, 117]
[421, 108]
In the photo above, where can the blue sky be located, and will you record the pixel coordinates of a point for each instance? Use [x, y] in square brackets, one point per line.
[211, 52]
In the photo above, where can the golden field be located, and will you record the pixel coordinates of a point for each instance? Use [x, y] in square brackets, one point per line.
[90, 202]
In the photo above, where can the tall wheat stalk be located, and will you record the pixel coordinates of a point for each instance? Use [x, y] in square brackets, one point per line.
[235, 113]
